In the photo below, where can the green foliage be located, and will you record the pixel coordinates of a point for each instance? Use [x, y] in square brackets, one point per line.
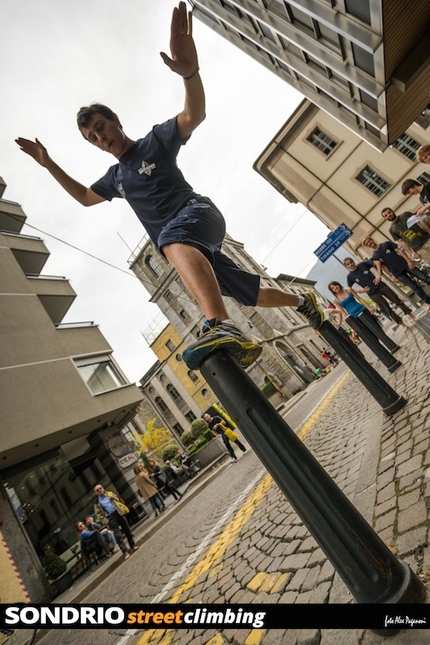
[170, 452]
[207, 435]
[145, 459]
[54, 565]
[268, 389]
[198, 427]
[155, 440]
[187, 437]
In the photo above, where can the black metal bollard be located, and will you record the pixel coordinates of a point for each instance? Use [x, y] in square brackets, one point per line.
[384, 394]
[366, 565]
[373, 343]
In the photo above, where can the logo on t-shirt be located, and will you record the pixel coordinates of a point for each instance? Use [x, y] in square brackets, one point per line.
[121, 190]
[146, 168]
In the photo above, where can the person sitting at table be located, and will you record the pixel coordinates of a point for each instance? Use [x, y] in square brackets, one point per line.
[91, 542]
[105, 533]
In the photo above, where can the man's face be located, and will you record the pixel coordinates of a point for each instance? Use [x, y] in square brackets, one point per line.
[350, 265]
[426, 157]
[369, 243]
[106, 135]
[389, 215]
[413, 190]
[99, 490]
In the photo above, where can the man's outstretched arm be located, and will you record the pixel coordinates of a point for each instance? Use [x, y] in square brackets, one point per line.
[184, 61]
[82, 194]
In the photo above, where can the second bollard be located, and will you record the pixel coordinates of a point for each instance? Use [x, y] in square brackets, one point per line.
[373, 343]
[384, 394]
[366, 565]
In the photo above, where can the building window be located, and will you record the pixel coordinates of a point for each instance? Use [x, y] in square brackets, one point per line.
[175, 395]
[154, 265]
[369, 101]
[170, 345]
[178, 429]
[184, 315]
[322, 141]
[190, 416]
[363, 59]
[99, 373]
[407, 145]
[179, 358]
[205, 393]
[372, 181]
[193, 376]
[161, 405]
[359, 9]
[424, 178]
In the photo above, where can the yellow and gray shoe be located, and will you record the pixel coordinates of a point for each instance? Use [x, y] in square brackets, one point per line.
[217, 335]
[310, 310]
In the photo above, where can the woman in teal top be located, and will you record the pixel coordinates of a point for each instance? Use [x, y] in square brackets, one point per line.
[348, 301]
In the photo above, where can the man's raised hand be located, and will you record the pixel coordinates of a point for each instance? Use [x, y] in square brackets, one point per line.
[35, 149]
[184, 60]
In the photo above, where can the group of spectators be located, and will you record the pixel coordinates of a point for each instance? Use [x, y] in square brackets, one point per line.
[396, 259]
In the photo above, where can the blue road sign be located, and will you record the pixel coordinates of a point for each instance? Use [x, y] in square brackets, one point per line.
[333, 242]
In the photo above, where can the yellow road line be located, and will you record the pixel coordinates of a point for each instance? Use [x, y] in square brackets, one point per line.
[304, 430]
[220, 546]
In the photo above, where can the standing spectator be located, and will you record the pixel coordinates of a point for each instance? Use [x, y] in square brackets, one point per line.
[148, 490]
[110, 506]
[423, 153]
[413, 187]
[395, 263]
[376, 289]
[218, 427]
[349, 301]
[160, 479]
[415, 239]
[327, 356]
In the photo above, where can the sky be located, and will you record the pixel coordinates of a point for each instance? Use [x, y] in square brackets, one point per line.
[58, 56]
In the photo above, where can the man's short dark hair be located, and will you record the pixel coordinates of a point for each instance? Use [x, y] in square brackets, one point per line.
[85, 114]
[408, 184]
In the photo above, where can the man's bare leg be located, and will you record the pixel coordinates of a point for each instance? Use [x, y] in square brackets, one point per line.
[273, 297]
[198, 276]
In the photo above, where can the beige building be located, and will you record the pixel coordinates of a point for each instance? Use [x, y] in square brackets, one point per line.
[178, 394]
[63, 407]
[365, 62]
[339, 177]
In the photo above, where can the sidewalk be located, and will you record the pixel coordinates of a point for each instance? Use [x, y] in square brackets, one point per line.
[142, 531]
[383, 466]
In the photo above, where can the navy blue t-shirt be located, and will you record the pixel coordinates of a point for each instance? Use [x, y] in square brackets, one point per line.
[363, 276]
[148, 177]
[425, 194]
[386, 253]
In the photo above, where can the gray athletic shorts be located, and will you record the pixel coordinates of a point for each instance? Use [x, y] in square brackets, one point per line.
[201, 224]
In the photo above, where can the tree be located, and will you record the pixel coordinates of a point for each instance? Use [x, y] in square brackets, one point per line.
[198, 427]
[155, 439]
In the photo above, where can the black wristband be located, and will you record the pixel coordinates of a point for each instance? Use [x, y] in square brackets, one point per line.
[188, 78]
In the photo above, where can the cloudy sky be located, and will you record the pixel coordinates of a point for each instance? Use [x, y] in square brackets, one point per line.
[56, 57]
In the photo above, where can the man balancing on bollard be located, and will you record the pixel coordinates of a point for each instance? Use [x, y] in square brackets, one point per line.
[187, 228]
